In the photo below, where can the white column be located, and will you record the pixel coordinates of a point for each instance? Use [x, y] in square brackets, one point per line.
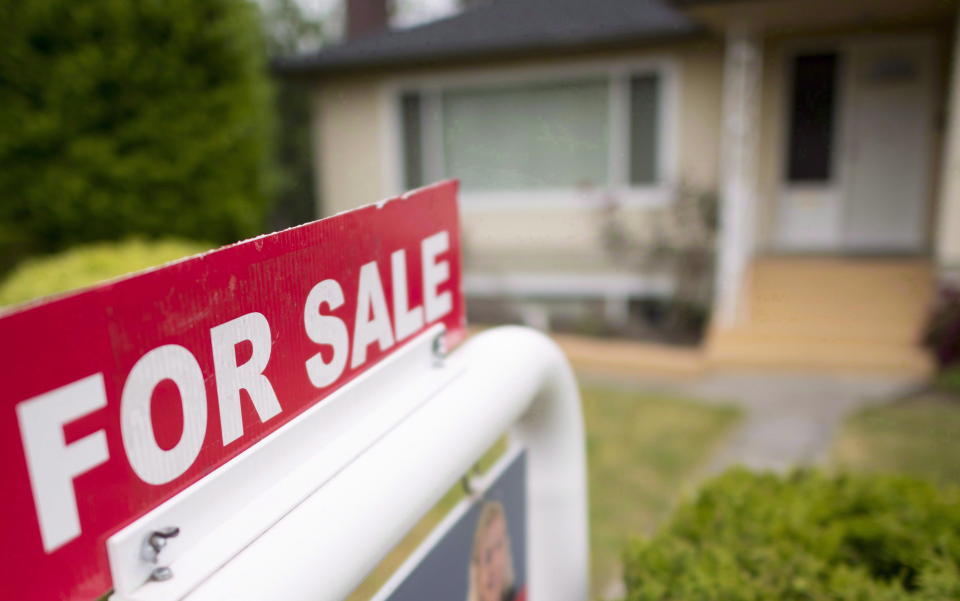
[741, 115]
[948, 216]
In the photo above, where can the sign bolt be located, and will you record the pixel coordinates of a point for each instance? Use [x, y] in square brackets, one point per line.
[153, 545]
[439, 349]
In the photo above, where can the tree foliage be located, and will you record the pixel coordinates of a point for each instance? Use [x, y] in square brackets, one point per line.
[805, 537]
[289, 31]
[117, 118]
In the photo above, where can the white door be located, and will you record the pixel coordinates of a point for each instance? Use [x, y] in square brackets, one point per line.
[887, 164]
[857, 162]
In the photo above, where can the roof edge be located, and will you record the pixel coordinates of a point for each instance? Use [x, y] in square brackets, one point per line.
[306, 66]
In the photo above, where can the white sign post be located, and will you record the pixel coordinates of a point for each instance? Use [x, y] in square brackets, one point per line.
[506, 379]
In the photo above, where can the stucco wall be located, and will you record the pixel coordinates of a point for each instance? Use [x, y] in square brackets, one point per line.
[347, 144]
[352, 127]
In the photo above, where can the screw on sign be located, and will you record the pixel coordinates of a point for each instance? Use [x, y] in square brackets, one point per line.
[119, 397]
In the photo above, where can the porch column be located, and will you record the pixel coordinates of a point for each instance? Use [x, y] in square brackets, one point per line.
[948, 218]
[741, 115]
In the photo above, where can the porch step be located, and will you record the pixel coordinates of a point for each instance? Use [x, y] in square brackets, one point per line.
[892, 329]
[892, 359]
[830, 313]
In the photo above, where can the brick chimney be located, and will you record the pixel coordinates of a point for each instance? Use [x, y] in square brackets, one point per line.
[365, 17]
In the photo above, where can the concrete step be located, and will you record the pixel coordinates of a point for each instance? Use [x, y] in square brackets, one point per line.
[823, 312]
[824, 332]
[889, 359]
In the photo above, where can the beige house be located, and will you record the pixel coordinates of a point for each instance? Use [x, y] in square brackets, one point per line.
[827, 129]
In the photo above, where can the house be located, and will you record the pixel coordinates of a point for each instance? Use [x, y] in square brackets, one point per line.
[828, 130]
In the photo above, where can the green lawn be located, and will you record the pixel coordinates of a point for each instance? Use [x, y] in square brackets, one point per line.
[919, 436]
[948, 381]
[642, 450]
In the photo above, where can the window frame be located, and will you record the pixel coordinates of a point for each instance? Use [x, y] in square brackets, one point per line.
[617, 73]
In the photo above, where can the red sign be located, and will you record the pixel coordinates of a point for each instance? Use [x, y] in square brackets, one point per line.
[116, 398]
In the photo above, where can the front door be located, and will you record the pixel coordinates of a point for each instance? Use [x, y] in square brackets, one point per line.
[857, 174]
[887, 166]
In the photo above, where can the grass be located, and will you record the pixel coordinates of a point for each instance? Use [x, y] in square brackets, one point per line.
[919, 436]
[948, 381]
[642, 451]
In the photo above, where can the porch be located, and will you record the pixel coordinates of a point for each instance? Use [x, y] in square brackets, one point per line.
[839, 214]
[830, 313]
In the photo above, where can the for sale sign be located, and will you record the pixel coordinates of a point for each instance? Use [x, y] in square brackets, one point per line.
[116, 398]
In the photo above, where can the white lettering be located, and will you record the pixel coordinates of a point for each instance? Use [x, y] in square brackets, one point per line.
[151, 463]
[326, 329]
[435, 273]
[232, 378]
[52, 463]
[367, 329]
[406, 320]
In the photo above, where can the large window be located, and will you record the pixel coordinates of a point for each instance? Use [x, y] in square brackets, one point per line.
[589, 132]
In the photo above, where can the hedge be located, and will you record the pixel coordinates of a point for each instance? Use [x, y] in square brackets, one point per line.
[89, 264]
[119, 118]
[806, 536]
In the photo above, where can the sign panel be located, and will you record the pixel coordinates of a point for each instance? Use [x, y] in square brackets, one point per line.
[479, 552]
[116, 398]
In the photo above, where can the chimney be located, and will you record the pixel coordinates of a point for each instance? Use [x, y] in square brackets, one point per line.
[365, 17]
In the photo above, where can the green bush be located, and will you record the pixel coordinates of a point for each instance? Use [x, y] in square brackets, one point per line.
[804, 537]
[87, 265]
[122, 118]
[948, 380]
[942, 334]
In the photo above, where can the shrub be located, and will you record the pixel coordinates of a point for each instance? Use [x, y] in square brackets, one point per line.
[119, 118]
[942, 335]
[804, 537]
[948, 380]
[87, 265]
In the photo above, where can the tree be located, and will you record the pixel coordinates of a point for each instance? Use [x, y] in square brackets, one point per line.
[117, 118]
[290, 31]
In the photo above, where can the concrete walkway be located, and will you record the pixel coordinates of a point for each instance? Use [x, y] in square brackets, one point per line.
[790, 419]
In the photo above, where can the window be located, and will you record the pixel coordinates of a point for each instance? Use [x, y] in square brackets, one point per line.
[812, 118]
[411, 111]
[644, 128]
[552, 135]
[593, 131]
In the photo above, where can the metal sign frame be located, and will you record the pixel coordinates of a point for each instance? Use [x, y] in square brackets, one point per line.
[368, 496]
